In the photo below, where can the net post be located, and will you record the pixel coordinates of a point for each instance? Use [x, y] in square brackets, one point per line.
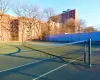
[85, 54]
[89, 53]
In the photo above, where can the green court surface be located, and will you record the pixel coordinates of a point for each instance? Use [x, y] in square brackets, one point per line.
[4, 48]
[18, 62]
[9, 62]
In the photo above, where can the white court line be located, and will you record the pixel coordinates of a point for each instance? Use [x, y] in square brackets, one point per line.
[56, 69]
[24, 65]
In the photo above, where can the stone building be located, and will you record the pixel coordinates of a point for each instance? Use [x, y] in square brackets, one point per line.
[19, 28]
[29, 29]
[4, 27]
[67, 18]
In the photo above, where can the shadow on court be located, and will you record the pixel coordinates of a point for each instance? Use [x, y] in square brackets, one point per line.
[74, 71]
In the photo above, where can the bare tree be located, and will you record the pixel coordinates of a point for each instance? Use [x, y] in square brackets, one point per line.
[48, 12]
[69, 26]
[89, 29]
[29, 14]
[55, 18]
[81, 25]
[4, 7]
[45, 30]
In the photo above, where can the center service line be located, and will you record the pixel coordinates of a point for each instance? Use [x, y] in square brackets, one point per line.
[56, 69]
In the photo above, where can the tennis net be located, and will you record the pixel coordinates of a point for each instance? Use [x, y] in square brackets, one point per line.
[62, 51]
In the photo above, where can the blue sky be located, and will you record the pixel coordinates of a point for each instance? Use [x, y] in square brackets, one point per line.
[88, 10]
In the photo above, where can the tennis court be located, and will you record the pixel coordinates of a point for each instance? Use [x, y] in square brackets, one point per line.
[48, 61]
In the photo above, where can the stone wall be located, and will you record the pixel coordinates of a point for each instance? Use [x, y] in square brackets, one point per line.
[19, 28]
[29, 29]
[4, 27]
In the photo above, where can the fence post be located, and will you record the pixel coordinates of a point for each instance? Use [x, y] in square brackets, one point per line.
[89, 53]
[85, 54]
